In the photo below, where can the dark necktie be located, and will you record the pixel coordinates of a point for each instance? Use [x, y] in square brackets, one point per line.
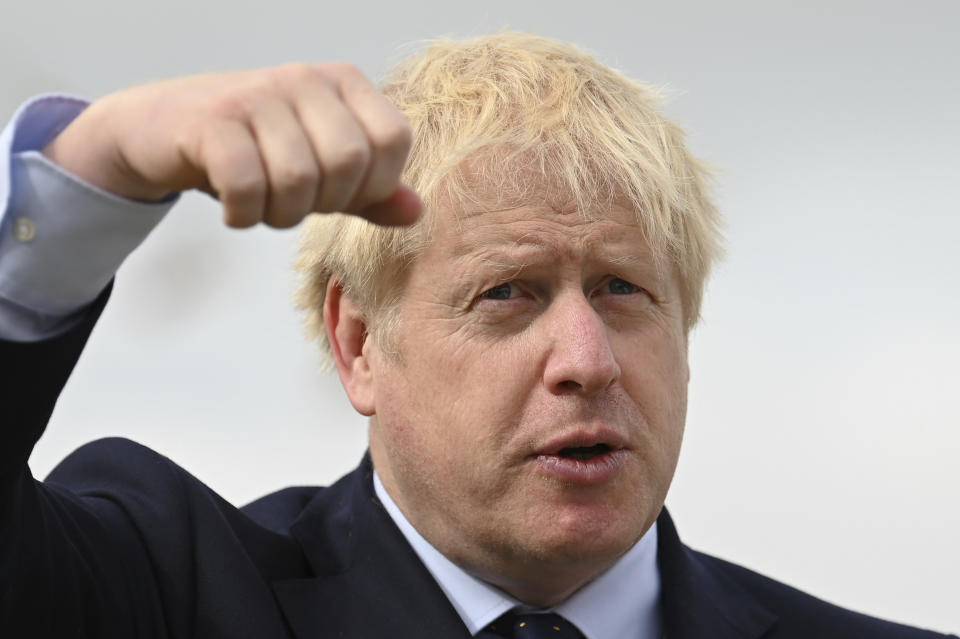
[512, 625]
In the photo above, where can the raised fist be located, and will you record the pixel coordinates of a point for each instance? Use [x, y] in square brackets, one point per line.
[273, 144]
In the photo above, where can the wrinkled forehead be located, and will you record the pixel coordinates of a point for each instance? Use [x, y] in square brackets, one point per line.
[497, 179]
[540, 213]
[497, 199]
[538, 232]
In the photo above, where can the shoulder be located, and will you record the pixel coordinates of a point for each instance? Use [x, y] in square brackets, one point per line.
[124, 470]
[130, 486]
[121, 469]
[800, 615]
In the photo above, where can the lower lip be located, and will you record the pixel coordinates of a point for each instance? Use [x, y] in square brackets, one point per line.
[595, 470]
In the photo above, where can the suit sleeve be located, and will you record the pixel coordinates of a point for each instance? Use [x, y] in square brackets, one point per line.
[69, 568]
[70, 565]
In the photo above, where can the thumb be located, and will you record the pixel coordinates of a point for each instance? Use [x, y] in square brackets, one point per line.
[402, 208]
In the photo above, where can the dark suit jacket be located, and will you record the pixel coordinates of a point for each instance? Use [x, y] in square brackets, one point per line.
[119, 542]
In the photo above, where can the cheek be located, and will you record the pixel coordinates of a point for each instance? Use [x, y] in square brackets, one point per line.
[656, 360]
[405, 418]
[463, 378]
[423, 408]
[655, 376]
[451, 409]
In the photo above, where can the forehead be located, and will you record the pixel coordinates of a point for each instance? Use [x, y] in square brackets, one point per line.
[612, 231]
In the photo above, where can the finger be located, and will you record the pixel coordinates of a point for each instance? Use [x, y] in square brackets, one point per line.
[401, 208]
[291, 167]
[232, 162]
[388, 132]
[339, 143]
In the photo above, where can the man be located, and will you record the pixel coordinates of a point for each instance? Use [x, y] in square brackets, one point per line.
[521, 351]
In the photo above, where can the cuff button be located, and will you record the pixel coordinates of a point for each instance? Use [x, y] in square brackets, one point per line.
[24, 229]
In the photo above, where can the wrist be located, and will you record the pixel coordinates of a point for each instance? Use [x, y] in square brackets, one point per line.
[89, 149]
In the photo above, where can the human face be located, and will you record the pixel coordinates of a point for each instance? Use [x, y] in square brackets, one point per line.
[530, 422]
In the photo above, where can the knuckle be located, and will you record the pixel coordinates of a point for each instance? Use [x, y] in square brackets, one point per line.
[335, 194]
[296, 69]
[343, 69]
[297, 177]
[228, 106]
[294, 73]
[394, 136]
[243, 189]
[241, 102]
[350, 158]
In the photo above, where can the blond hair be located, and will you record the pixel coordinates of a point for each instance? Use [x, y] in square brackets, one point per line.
[496, 120]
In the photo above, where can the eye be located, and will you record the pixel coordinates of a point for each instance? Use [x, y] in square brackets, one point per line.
[500, 292]
[618, 286]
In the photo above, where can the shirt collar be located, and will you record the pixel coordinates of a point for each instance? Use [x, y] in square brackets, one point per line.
[623, 602]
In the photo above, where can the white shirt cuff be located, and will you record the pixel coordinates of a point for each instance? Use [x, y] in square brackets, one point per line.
[61, 239]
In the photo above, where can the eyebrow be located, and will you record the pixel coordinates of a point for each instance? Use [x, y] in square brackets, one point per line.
[532, 241]
[527, 250]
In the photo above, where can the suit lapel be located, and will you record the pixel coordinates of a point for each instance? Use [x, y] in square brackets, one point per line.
[368, 581]
[698, 601]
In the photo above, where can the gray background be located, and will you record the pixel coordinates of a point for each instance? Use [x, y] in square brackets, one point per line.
[822, 440]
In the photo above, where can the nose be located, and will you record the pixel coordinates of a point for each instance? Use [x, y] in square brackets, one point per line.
[581, 359]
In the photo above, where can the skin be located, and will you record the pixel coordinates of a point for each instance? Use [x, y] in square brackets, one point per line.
[518, 326]
[272, 144]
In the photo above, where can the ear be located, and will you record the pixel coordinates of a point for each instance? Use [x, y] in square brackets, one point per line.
[347, 333]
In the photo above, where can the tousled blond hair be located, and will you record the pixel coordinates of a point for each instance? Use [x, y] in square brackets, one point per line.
[500, 120]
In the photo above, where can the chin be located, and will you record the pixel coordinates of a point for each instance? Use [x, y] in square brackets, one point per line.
[583, 535]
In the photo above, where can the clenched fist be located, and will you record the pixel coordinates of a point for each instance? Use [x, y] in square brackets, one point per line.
[273, 145]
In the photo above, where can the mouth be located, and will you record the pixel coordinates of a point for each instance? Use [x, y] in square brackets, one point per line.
[583, 458]
[583, 453]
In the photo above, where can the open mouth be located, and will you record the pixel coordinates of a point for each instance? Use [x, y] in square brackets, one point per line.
[583, 452]
[583, 465]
